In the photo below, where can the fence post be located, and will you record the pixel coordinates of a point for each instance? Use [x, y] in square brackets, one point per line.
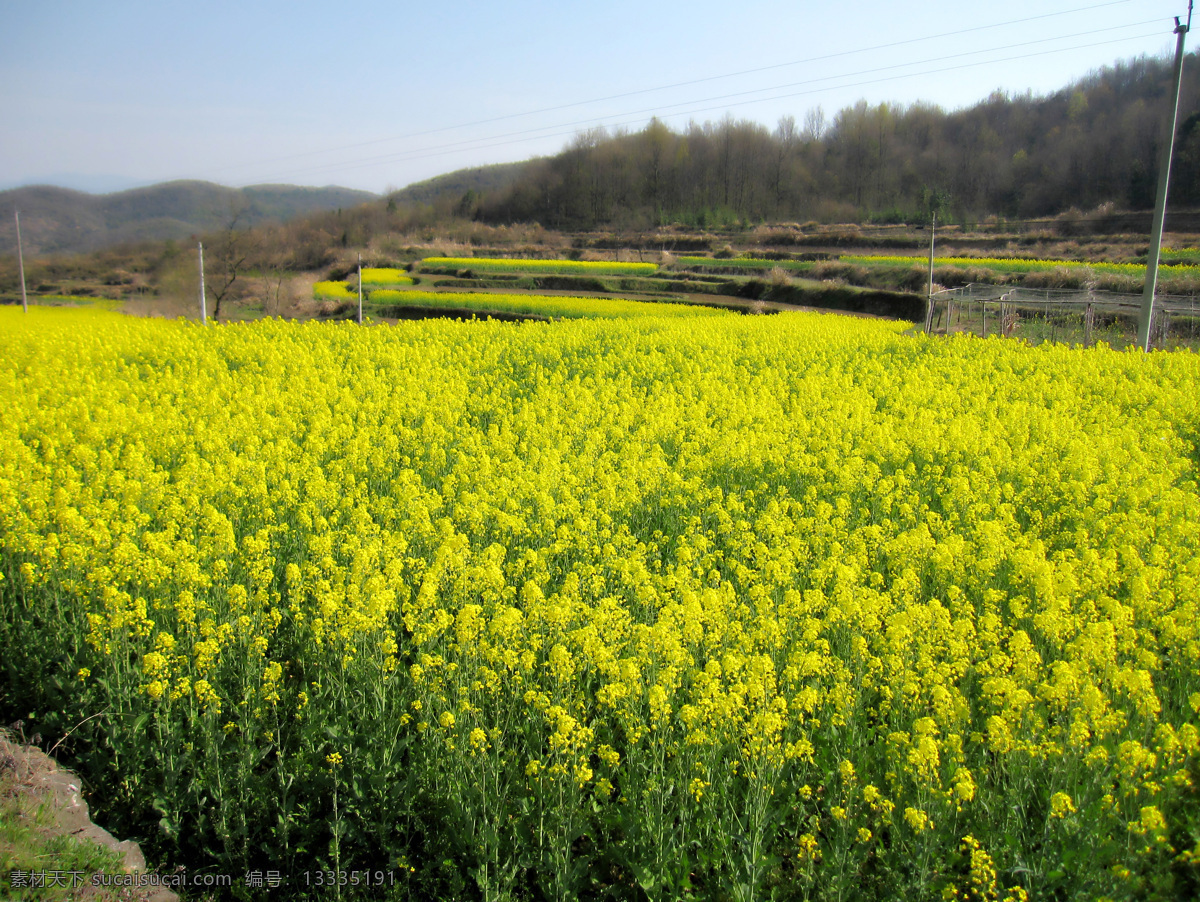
[1162, 325]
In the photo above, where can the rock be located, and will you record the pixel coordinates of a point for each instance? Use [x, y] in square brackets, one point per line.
[38, 776]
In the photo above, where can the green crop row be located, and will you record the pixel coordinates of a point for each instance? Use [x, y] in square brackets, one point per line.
[520, 265]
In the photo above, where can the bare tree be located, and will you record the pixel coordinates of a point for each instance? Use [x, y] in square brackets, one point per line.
[814, 124]
[273, 277]
[230, 254]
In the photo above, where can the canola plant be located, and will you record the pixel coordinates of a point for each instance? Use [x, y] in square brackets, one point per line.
[723, 607]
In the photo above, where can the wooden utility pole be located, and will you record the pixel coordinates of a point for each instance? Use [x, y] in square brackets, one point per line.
[360, 289]
[929, 303]
[203, 303]
[21, 264]
[1146, 318]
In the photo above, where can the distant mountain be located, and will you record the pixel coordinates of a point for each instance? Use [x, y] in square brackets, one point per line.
[88, 182]
[59, 220]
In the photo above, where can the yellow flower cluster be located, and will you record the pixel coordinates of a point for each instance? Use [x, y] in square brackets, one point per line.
[334, 291]
[805, 581]
[539, 305]
[385, 276]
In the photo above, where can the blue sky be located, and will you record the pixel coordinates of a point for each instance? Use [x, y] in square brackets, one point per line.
[103, 96]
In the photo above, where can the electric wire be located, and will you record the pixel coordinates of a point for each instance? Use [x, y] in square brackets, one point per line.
[555, 131]
[686, 83]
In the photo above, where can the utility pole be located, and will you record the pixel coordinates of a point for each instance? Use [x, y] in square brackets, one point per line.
[360, 289]
[1160, 205]
[203, 304]
[21, 264]
[929, 302]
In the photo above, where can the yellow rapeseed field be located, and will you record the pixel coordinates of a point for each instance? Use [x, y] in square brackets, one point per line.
[556, 306]
[384, 276]
[725, 607]
[334, 291]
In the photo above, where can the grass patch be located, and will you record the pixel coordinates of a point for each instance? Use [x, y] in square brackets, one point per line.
[564, 267]
[1018, 264]
[74, 300]
[742, 264]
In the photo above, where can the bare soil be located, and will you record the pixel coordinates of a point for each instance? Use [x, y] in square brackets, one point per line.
[47, 799]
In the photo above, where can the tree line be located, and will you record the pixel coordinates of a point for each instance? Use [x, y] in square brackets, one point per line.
[1095, 142]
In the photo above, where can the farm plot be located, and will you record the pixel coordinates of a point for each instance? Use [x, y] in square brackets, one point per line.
[779, 607]
[372, 279]
[385, 277]
[1021, 265]
[521, 265]
[534, 304]
[743, 264]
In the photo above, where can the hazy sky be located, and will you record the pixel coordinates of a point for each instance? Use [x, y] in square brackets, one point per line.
[103, 96]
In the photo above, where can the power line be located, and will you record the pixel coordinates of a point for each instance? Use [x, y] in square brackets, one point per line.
[532, 134]
[687, 83]
[545, 132]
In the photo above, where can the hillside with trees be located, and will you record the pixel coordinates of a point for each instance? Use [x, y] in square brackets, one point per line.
[1014, 175]
[463, 186]
[1095, 142]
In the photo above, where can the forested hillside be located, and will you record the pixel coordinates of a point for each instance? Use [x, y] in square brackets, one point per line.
[1094, 142]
